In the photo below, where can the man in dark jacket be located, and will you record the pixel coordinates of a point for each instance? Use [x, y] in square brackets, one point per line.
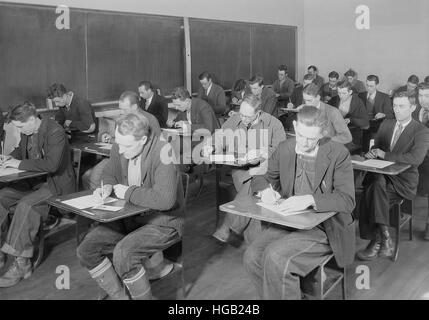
[212, 93]
[153, 103]
[75, 114]
[322, 179]
[43, 148]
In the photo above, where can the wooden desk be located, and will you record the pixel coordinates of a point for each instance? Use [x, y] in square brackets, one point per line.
[21, 176]
[98, 215]
[247, 207]
[391, 170]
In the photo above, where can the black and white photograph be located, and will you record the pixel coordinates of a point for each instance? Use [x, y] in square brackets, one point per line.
[234, 151]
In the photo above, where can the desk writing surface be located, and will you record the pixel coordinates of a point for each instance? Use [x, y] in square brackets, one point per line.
[246, 206]
[98, 215]
[20, 176]
[92, 147]
[391, 170]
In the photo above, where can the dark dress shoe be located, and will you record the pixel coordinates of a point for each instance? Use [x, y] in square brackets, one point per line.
[371, 252]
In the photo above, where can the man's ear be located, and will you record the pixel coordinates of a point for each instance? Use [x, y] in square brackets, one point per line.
[413, 107]
[143, 140]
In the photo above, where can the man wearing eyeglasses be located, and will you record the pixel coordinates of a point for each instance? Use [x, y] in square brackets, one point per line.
[254, 133]
[311, 171]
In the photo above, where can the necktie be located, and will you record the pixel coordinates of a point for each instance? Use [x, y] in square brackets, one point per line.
[396, 136]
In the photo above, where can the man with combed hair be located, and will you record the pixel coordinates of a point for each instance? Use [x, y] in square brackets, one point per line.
[283, 86]
[267, 95]
[212, 93]
[336, 126]
[311, 171]
[128, 103]
[329, 89]
[318, 80]
[135, 173]
[43, 147]
[402, 140]
[153, 103]
[352, 77]
[257, 133]
[76, 115]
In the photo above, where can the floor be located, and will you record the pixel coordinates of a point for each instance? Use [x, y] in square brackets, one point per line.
[214, 271]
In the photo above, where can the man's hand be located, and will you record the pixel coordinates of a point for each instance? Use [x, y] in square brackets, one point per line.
[11, 163]
[106, 138]
[297, 203]
[379, 115]
[270, 196]
[347, 120]
[290, 105]
[207, 150]
[259, 170]
[375, 153]
[277, 95]
[170, 123]
[103, 194]
[67, 123]
[120, 190]
[231, 113]
[179, 124]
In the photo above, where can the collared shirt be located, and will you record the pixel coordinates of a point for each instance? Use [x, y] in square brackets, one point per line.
[345, 106]
[148, 102]
[397, 128]
[70, 102]
[208, 89]
[371, 97]
[134, 171]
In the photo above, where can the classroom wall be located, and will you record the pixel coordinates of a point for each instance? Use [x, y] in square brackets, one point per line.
[395, 46]
[285, 12]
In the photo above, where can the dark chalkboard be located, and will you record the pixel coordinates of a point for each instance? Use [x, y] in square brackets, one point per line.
[34, 53]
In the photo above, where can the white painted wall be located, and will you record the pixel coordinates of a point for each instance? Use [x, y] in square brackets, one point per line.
[395, 47]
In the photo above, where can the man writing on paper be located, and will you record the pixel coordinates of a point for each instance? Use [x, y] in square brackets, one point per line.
[43, 148]
[75, 114]
[309, 171]
[128, 103]
[136, 173]
[256, 132]
[403, 140]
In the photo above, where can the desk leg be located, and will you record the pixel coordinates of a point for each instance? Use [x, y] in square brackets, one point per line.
[79, 160]
[217, 173]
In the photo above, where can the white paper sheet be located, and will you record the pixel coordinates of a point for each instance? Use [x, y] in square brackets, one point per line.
[9, 171]
[373, 163]
[222, 158]
[86, 202]
[278, 209]
[105, 146]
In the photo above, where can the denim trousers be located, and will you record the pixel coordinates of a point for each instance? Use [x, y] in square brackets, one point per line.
[278, 257]
[17, 238]
[129, 248]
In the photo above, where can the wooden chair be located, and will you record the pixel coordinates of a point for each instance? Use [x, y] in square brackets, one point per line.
[334, 276]
[398, 220]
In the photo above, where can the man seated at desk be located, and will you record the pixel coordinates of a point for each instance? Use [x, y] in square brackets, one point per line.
[76, 115]
[128, 103]
[212, 93]
[43, 148]
[352, 77]
[257, 132]
[336, 126]
[153, 103]
[135, 172]
[403, 140]
[267, 95]
[311, 171]
[329, 90]
[283, 86]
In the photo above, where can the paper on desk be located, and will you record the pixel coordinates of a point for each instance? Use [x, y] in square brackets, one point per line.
[222, 158]
[278, 209]
[86, 202]
[105, 146]
[107, 208]
[373, 163]
[9, 171]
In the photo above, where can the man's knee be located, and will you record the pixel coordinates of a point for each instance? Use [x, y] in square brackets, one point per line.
[275, 259]
[88, 254]
[122, 255]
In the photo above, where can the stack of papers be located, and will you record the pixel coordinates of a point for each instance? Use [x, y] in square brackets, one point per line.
[277, 208]
[373, 163]
[89, 201]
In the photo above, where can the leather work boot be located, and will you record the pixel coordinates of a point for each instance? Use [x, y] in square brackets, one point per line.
[371, 251]
[20, 269]
[386, 249]
[106, 277]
